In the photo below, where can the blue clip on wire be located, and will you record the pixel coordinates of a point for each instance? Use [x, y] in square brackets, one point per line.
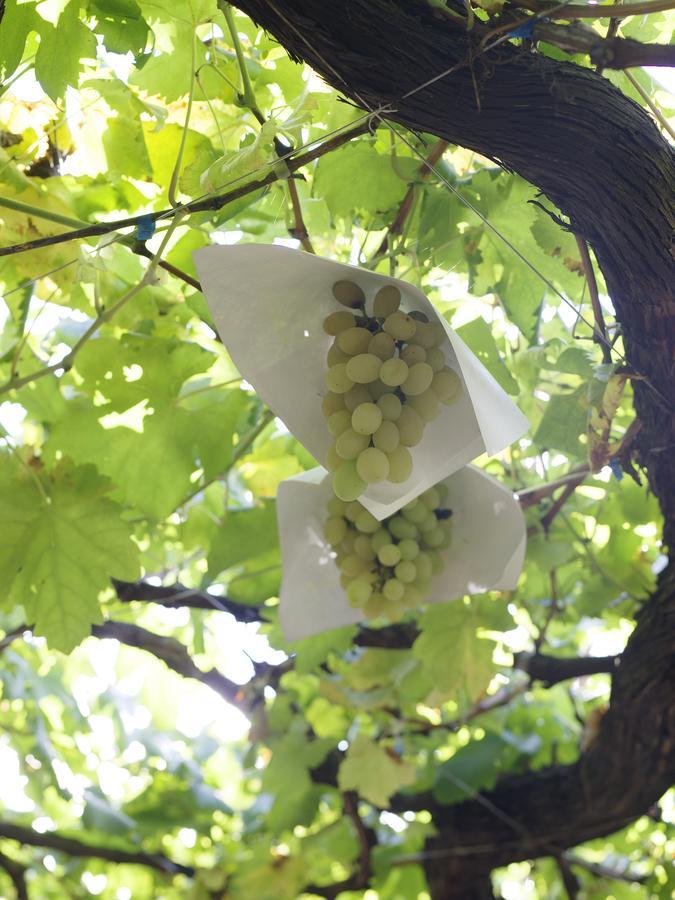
[145, 228]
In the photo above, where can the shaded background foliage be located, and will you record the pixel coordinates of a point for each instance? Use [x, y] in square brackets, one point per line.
[183, 748]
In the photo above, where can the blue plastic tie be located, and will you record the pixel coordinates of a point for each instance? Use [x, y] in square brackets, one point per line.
[145, 228]
[615, 466]
[525, 30]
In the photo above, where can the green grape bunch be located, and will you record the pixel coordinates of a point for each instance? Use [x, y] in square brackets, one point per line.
[386, 380]
[386, 567]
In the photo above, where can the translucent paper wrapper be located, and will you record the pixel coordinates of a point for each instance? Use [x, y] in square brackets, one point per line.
[486, 551]
[269, 303]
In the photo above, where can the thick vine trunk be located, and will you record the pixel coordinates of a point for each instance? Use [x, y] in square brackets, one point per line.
[602, 161]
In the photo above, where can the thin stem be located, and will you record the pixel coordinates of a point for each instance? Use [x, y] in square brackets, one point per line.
[600, 330]
[299, 230]
[599, 11]
[173, 184]
[247, 94]
[38, 212]
[663, 122]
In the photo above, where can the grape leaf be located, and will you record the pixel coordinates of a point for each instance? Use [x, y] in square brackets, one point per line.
[374, 771]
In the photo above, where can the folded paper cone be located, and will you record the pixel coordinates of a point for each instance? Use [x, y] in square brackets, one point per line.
[486, 552]
[269, 304]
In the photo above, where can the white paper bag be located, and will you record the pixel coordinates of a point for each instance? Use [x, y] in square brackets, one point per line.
[486, 551]
[269, 303]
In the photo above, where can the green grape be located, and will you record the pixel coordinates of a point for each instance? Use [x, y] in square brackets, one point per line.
[363, 547]
[380, 538]
[447, 385]
[412, 354]
[425, 335]
[347, 483]
[389, 555]
[347, 544]
[434, 537]
[378, 389]
[393, 372]
[352, 511]
[348, 294]
[419, 379]
[431, 498]
[364, 368]
[335, 355]
[412, 596]
[338, 321]
[382, 345]
[337, 379]
[393, 589]
[366, 418]
[353, 565]
[447, 538]
[428, 523]
[333, 459]
[339, 422]
[387, 301]
[376, 605]
[366, 522]
[356, 396]
[390, 407]
[419, 316]
[345, 581]
[436, 562]
[372, 465]
[359, 592]
[353, 340]
[386, 438]
[423, 587]
[410, 427]
[425, 405]
[439, 333]
[334, 530]
[400, 326]
[409, 549]
[401, 528]
[436, 359]
[332, 403]
[406, 571]
[400, 465]
[423, 563]
[336, 507]
[415, 512]
[350, 444]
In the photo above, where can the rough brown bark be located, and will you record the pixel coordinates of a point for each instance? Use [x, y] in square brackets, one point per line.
[602, 161]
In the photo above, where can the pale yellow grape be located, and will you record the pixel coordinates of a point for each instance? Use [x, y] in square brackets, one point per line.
[333, 459]
[359, 592]
[425, 405]
[338, 321]
[436, 562]
[400, 326]
[353, 340]
[386, 438]
[419, 316]
[422, 587]
[378, 389]
[410, 427]
[447, 538]
[412, 596]
[414, 512]
[350, 444]
[352, 511]
[372, 465]
[413, 353]
[353, 565]
[335, 355]
[439, 333]
[427, 524]
[425, 335]
[364, 368]
[387, 301]
[348, 294]
[376, 605]
[447, 385]
[337, 379]
[406, 571]
[401, 528]
[332, 403]
[409, 549]
[434, 537]
[356, 396]
[366, 522]
[339, 421]
[419, 379]
[393, 372]
[336, 507]
[345, 581]
[380, 538]
[389, 555]
[431, 498]
[366, 418]
[347, 483]
[335, 530]
[382, 345]
[423, 563]
[393, 589]
[390, 407]
[363, 547]
[400, 465]
[435, 358]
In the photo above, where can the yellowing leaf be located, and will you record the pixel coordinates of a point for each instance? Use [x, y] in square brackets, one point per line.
[373, 771]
